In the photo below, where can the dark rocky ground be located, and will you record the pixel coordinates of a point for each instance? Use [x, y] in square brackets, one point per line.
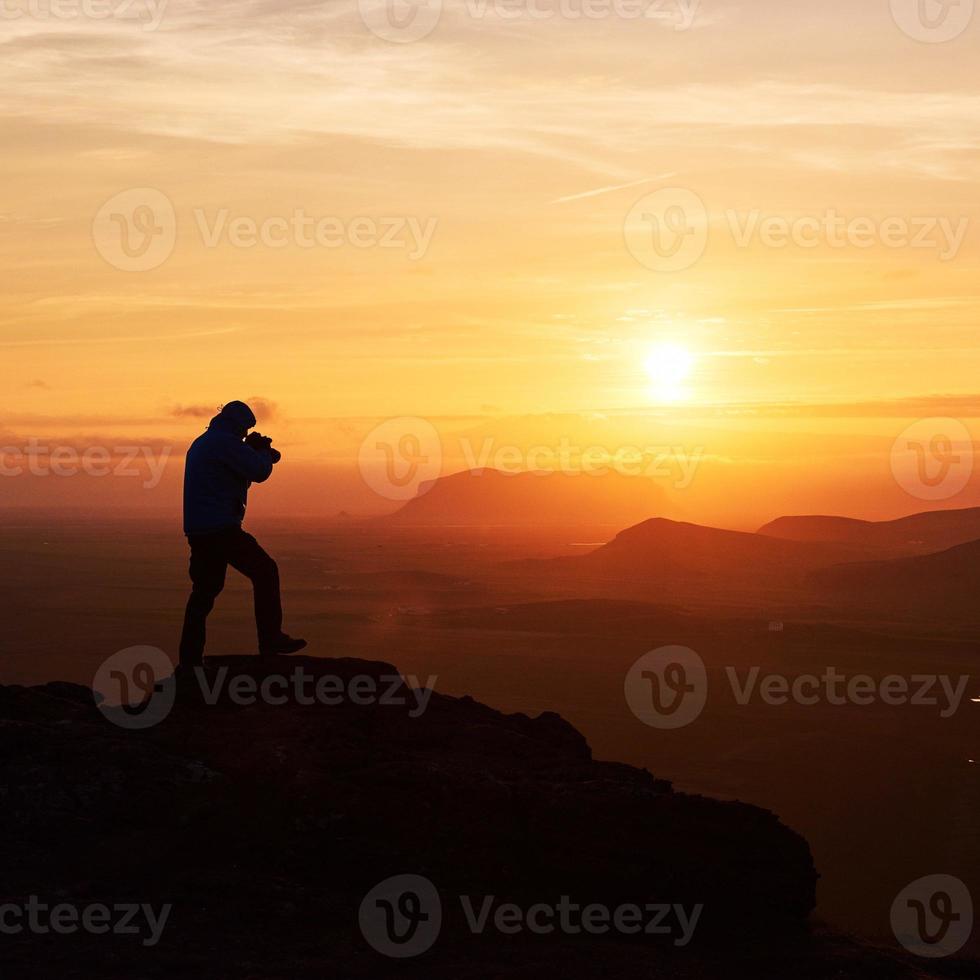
[264, 826]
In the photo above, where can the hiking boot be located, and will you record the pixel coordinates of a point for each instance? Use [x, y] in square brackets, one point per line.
[283, 644]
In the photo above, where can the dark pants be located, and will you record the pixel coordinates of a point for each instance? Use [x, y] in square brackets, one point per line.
[211, 554]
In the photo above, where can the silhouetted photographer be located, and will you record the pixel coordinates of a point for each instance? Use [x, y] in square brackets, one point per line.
[222, 464]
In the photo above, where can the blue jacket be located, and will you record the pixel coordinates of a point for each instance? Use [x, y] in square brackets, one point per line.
[220, 468]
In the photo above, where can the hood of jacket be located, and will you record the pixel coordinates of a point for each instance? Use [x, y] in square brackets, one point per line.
[235, 417]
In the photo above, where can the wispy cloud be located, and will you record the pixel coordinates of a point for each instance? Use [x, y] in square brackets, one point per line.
[132, 338]
[265, 409]
[609, 189]
[203, 77]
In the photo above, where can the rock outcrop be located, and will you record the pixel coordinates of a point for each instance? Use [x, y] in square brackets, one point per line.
[264, 825]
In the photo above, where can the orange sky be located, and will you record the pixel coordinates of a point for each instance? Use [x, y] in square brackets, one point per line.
[516, 148]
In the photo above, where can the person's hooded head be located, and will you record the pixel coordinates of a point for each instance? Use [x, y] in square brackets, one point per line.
[235, 417]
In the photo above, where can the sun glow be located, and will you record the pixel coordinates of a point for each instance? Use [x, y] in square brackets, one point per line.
[669, 367]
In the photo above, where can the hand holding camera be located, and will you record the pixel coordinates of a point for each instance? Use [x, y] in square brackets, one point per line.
[261, 443]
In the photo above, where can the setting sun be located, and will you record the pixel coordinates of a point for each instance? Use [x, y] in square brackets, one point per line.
[669, 367]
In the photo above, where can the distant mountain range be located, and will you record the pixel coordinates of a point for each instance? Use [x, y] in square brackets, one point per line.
[658, 558]
[930, 558]
[918, 534]
[662, 548]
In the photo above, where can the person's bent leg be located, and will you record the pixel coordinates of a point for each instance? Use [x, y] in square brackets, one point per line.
[248, 557]
[207, 570]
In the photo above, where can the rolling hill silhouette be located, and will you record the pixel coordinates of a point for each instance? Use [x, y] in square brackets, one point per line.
[941, 585]
[492, 497]
[917, 534]
[659, 554]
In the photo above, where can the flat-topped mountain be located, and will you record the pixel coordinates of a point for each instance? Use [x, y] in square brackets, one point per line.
[492, 497]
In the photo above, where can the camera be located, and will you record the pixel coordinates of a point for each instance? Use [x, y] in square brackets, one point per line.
[261, 443]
